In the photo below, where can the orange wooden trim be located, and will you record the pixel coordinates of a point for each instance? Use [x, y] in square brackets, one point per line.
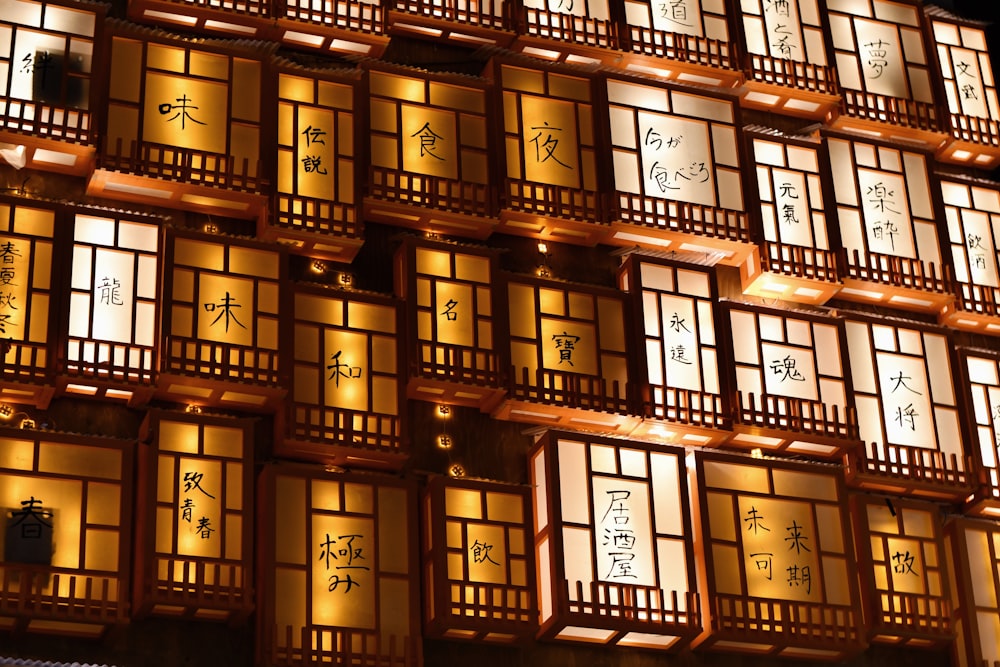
[341, 648]
[780, 622]
[891, 110]
[798, 418]
[688, 50]
[926, 472]
[89, 598]
[819, 80]
[639, 608]
[687, 407]
[560, 26]
[462, 23]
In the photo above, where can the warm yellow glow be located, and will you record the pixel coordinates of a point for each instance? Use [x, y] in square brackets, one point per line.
[17, 262]
[227, 309]
[344, 562]
[443, 411]
[444, 441]
[486, 555]
[316, 164]
[198, 531]
[454, 317]
[347, 369]
[549, 141]
[63, 499]
[429, 141]
[199, 490]
[86, 492]
[186, 112]
[568, 346]
[456, 470]
[757, 453]
[318, 267]
[767, 560]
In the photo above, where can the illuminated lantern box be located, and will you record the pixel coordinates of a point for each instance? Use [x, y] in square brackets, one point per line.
[348, 380]
[613, 542]
[974, 557]
[114, 312]
[786, 60]
[460, 22]
[550, 189]
[64, 565]
[339, 576]
[45, 118]
[796, 260]
[568, 357]
[177, 133]
[316, 199]
[673, 305]
[222, 302]
[792, 382]
[973, 109]
[688, 41]
[430, 140]
[972, 214]
[450, 314]
[676, 161]
[477, 561]
[342, 27]
[577, 32]
[884, 70]
[888, 229]
[28, 323]
[194, 538]
[908, 413]
[903, 569]
[981, 374]
[778, 559]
